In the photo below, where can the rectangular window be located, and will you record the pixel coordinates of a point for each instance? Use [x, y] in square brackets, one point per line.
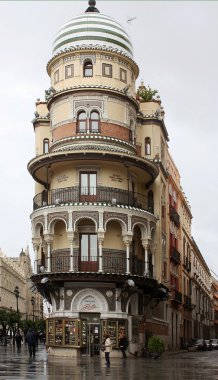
[123, 75]
[88, 187]
[45, 146]
[106, 70]
[88, 252]
[69, 71]
[56, 76]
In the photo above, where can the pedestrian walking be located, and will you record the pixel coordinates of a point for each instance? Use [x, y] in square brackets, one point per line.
[18, 340]
[123, 344]
[108, 348]
[31, 340]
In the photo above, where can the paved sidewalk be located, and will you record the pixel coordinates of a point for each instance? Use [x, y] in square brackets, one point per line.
[181, 366]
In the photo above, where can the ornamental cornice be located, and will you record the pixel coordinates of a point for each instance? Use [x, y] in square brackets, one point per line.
[96, 147]
[94, 137]
[52, 94]
[91, 47]
[141, 162]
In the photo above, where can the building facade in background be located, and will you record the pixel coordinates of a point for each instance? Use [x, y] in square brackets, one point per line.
[111, 225]
[15, 286]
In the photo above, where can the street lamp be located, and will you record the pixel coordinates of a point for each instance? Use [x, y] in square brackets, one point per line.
[17, 292]
[33, 304]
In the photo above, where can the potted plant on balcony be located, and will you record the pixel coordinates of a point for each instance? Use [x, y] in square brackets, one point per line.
[145, 94]
[155, 346]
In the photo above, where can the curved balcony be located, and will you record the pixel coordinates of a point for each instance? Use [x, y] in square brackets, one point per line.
[40, 166]
[77, 194]
[112, 264]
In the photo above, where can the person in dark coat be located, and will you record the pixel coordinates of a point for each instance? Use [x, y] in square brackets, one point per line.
[31, 340]
[18, 340]
[123, 344]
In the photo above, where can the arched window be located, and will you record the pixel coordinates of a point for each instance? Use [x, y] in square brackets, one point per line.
[45, 145]
[81, 122]
[94, 122]
[88, 69]
[147, 146]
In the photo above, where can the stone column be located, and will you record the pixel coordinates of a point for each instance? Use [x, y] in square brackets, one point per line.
[146, 247]
[48, 239]
[100, 243]
[71, 239]
[127, 241]
[36, 244]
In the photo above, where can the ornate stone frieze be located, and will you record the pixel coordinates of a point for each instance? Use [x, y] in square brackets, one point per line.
[115, 215]
[88, 104]
[58, 215]
[137, 219]
[85, 215]
[84, 56]
[38, 219]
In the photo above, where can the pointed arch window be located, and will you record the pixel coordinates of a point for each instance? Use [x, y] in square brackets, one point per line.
[94, 122]
[147, 146]
[81, 122]
[88, 69]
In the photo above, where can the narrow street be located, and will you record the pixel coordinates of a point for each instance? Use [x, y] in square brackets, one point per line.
[181, 366]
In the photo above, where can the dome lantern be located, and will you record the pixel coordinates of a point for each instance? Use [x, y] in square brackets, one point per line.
[91, 7]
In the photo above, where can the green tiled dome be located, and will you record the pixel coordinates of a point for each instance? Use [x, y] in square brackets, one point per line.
[92, 29]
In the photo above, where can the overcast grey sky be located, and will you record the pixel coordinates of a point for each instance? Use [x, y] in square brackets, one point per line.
[175, 46]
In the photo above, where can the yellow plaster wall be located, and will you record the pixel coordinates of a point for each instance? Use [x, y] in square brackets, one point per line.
[97, 78]
[113, 236]
[60, 240]
[42, 131]
[60, 111]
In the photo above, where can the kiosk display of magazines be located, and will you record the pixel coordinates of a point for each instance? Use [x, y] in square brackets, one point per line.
[67, 332]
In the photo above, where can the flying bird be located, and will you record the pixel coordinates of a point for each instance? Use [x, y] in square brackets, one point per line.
[130, 19]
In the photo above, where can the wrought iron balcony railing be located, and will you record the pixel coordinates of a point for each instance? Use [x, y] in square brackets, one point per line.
[110, 264]
[91, 194]
[174, 216]
[174, 255]
[177, 296]
[187, 264]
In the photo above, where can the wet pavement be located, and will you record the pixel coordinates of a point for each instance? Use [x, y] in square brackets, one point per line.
[177, 366]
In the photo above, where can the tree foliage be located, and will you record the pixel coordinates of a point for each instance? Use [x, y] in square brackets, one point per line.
[146, 94]
[10, 320]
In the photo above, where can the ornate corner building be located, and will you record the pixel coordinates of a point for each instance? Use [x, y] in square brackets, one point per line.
[99, 219]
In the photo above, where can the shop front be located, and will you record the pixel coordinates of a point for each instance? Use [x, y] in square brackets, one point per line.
[82, 336]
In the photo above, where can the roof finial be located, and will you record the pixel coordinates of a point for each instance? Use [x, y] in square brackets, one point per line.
[91, 7]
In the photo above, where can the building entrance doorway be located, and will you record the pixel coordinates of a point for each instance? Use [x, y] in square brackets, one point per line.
[93, 333]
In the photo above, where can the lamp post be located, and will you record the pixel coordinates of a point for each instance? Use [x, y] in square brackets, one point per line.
[33, 304]
[17, 292]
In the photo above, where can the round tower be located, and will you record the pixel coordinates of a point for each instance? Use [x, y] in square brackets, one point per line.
[93, 219]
